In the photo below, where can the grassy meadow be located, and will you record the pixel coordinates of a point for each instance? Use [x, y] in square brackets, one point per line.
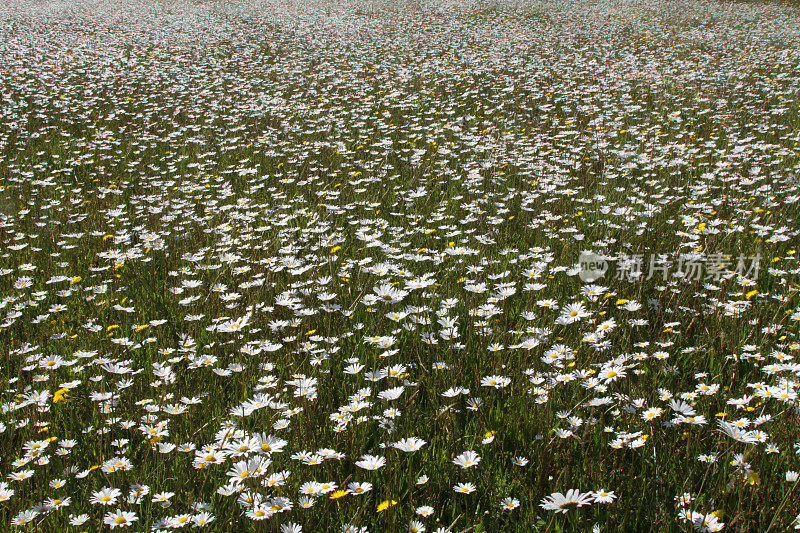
[282, 266]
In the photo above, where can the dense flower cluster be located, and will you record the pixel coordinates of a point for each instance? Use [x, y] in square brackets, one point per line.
[318, 264]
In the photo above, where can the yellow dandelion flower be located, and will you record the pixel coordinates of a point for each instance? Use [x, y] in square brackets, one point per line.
[385, 505]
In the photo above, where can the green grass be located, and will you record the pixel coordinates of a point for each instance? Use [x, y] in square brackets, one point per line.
[305, 155]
